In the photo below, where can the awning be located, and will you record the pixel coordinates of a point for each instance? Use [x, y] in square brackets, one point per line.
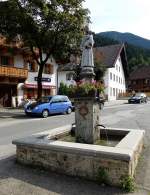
[34, 86]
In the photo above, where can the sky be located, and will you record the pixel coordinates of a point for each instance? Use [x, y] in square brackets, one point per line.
[120, 15]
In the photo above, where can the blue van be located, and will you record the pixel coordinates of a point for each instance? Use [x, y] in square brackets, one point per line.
[49, 105]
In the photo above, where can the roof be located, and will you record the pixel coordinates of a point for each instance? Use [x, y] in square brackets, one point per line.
[108, 54]
[66, 67]
[141, 73]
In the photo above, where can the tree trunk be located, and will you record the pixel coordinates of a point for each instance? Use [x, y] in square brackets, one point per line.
[39, 81]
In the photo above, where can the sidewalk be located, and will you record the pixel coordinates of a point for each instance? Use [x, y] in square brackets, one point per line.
[115, 102]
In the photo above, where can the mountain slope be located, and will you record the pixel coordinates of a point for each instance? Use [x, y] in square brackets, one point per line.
[127, 37]
[136, 55]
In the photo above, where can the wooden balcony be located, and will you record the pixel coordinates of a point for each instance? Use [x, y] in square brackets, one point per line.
[13, 72]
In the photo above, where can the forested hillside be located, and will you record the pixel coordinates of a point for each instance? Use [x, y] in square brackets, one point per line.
[127, 37]
[137, 56]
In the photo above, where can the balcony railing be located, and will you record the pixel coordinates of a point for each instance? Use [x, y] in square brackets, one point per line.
[13, 72]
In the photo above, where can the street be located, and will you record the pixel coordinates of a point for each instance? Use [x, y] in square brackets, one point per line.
[14, 124]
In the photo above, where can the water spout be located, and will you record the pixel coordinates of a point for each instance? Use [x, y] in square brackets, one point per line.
[105, 132]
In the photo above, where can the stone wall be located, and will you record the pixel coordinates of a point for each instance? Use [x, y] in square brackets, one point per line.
[90, 161]
[73, 164]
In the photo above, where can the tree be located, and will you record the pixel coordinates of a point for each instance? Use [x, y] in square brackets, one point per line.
[45, 26]
[99, 68]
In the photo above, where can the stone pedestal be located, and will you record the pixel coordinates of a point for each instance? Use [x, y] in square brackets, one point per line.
[87, 73]
[87, 115]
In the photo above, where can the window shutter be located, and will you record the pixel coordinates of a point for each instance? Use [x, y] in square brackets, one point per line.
[51, 69]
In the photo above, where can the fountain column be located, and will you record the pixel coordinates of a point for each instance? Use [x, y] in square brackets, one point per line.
[87, 111]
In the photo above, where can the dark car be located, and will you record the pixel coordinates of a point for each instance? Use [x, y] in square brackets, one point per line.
[138, 98]
[49, 105]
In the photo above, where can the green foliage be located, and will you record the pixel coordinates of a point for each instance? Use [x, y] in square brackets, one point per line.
[86, 89]
[103, 41]
[99, 70]
[52, 27]
[81, 89]
[102, 176]
[63, 89]
[127, 183]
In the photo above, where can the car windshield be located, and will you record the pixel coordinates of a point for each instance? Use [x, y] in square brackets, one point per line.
[138, 95]
[44, 100]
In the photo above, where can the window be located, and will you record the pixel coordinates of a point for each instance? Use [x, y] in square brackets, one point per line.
[64, 99]
[146, 81]
[48, 69]
[58, 99]
[32, 67]
[114, 77]
[119, 68]
[6, 61]
[119, 79]
[113, 91]
[110, 75]
[116, 91]
[69, 76]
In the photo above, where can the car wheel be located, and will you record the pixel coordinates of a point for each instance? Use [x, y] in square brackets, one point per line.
[27, 114]
[69, 110]
[45, 113]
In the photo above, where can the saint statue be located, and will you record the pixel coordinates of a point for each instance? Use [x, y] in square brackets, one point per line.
[87, 49]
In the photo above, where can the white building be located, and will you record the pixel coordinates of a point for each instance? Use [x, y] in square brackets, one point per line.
[66, 74]
[19, 72]
[13, 73]
[49, 80]
[114, 58]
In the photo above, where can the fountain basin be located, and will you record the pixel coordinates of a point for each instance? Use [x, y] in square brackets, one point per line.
[83, 160]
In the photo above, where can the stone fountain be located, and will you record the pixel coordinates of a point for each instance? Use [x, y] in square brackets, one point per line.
[83, 157]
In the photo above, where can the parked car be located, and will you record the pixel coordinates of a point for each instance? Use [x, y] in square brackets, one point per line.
[49, 105]
[138, 98]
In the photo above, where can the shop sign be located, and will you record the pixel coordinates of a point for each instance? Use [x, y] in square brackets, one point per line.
[43, 79]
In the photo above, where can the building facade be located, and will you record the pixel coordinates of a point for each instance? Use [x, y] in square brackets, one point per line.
[139, 80]
[114, 80]
[18, 75]
[49, 79]
[113, 57]
[13, 71]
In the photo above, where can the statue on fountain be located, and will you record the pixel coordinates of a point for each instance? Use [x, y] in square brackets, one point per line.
[87, 62]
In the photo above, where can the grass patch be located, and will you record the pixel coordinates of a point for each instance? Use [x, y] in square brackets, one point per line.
[127, 183]
[102, 176]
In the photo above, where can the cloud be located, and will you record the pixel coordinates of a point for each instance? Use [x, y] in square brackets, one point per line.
[120, 15]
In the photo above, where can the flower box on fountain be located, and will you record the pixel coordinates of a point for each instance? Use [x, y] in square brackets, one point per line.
[86, 89]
